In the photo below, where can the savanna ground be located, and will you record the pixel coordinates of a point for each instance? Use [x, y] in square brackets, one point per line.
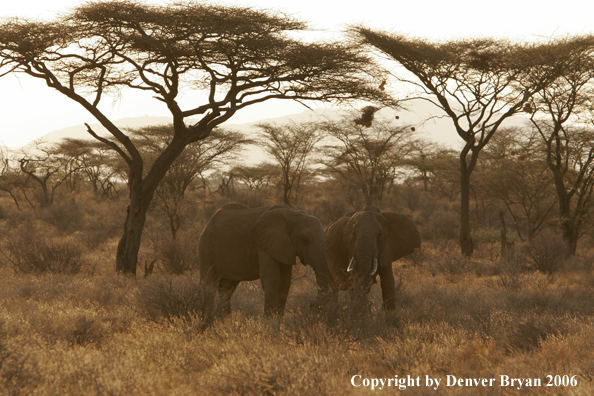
[74, 327]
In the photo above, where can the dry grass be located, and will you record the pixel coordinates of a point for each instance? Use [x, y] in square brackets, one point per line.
[105, 334]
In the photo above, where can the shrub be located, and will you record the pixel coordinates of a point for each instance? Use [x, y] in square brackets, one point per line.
[172, 299]
[34, 255]
[177, 255]
[417, 257]
[548, 252]
[67, 217]
[19, 375]
[77, 330]
[453, 263]
[529, 334]
[331, 321]
[442, 225]
[512, 274]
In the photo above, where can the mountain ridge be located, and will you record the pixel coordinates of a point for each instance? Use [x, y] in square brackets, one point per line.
[421, 114]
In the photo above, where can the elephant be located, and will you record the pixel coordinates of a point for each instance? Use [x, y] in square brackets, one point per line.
[361, 245]
[244, 244]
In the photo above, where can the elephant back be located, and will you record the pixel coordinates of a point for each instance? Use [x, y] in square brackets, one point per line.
[226, 241]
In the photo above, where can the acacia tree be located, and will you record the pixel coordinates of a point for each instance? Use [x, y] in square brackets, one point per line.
[235, 56]
[10, 178]
[477, 83]
[291, 145]
[48, 168]
[257, 177]
[426, 158]
[563, 116]
[367, 157]
[96, 163]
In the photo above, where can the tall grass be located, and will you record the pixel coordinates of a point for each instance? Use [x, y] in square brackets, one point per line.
[97, 335]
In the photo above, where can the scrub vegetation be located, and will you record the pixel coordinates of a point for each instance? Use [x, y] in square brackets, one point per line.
[87, 330]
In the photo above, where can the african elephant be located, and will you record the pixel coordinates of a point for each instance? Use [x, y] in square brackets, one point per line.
[364, 244]
[243, 244]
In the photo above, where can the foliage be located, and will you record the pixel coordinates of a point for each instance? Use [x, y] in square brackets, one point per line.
[30, 254]
[96, 163]
[177, 256]
[257, 177]
[514, 173]
[171, 298]
[430, 162]
[48, 167]
[548, 252]
[291, 146]
[478, 83]
[368, 158]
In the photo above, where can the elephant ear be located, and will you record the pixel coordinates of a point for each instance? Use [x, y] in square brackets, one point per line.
[402, 237]
[271, 234]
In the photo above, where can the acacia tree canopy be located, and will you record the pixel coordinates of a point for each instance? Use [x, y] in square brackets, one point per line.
[235, 56]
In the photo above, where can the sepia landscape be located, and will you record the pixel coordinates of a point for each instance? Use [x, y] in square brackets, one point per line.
[428, 232]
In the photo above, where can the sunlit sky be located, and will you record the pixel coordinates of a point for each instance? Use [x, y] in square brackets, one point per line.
[28, 109]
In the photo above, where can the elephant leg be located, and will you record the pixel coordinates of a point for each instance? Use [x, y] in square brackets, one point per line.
[270, 277]
[388, 291]
[226, 289]
[286, 272]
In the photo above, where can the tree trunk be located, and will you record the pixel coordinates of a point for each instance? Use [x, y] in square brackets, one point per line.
[129, 245]
[466, 244]
[503, 236]
[142, 192]
[286, 192]
[568, 223]
[570, 234]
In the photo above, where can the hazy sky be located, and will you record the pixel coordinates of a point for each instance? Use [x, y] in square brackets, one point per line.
[28, 109]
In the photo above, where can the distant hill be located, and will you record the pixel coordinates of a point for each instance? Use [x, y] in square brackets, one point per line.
[419, 113]
[80, 131]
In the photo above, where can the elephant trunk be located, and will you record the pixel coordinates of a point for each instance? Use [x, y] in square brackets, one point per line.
[323, 278]
[317, 261]
[366, 258]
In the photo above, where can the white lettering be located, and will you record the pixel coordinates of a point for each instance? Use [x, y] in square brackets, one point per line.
[402, 383]
[520, 381]
[353, 380]
[430, 381]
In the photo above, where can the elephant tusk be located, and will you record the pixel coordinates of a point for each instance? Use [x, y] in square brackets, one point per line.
[311, 277]
[351, 265]
[374, 270]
